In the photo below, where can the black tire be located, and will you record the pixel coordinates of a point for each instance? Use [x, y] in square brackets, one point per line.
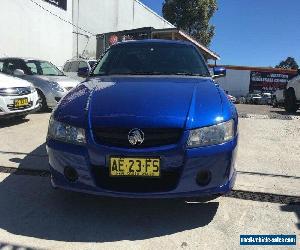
[290, 103]
[274, 103]
[43, 102]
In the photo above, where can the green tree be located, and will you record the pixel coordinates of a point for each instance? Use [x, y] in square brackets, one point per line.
[289, 63]
[193, 17]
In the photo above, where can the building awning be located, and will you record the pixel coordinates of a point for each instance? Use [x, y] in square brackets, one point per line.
[176, 34]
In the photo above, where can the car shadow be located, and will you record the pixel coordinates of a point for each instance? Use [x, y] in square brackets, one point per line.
[35, 160]
[30, 207]
[10, 122]
[284, 113]
[293, 208]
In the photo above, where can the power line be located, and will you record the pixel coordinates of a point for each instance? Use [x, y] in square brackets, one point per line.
[66, 21]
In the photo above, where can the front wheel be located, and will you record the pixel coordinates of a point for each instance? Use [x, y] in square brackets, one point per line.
[42, 101]
[274, 103]
[290, 103]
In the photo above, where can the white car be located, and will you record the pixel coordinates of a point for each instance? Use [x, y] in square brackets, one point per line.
[266, 99]
[232, 98]
[74, 66]
[292, 95]
[278, 98]
[18, 97]
[50, 83]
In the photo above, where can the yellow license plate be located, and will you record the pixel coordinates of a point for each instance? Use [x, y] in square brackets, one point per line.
[21, 102]
[135, 167]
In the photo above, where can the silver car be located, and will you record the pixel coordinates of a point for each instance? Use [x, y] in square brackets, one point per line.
[51, 83]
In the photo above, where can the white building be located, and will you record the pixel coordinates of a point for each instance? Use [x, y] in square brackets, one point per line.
[103, 16]
[45, 29]
[36, 28]
[241, 80]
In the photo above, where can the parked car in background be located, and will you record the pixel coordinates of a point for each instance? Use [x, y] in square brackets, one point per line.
[73, 66]
[18, 97]
[51, 83]
[292, 95]
[266, 99]
[232, 98]
[242, 100]
[252, 98]
[278, 98]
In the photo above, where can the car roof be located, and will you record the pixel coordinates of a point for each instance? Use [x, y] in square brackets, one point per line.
[154, 41]
[81, 59]
[22, 58]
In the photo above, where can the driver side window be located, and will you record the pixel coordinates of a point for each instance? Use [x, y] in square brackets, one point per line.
[9, 68]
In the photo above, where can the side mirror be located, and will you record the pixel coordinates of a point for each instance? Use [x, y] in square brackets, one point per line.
[219, 72]
[18, 72]
[83, 72]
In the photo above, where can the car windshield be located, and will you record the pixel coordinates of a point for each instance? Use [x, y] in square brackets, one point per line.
[152, 59]
[43, 68]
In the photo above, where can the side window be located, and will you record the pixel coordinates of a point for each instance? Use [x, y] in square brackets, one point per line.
[48, 69]
[67, 67]
[1, 66]
[9, 67]
[83, 65]
[33, 68]
[20, 64]
[74, 66]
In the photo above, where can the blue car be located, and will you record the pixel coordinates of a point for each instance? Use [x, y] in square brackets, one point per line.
[149, 122]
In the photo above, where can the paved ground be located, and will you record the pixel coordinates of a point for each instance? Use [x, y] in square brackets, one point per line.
[34, 215]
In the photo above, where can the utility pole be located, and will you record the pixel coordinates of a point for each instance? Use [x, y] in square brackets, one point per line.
[77, 29]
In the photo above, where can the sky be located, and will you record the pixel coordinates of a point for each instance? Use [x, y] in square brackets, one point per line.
[253, 32]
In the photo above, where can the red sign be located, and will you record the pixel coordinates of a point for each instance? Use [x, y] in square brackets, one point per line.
[113, 39]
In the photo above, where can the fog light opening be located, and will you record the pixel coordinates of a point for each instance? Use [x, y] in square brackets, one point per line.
[203, 178]
[71, 174]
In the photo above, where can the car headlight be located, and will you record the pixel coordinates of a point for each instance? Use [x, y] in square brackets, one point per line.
[32, 89]
[212, 135]
[66, 133]
[55, 86]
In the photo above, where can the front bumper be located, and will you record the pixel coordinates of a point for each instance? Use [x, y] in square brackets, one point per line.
[90, 162]
[7, 101]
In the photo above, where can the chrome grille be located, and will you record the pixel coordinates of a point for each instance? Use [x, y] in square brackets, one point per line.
[154, 137]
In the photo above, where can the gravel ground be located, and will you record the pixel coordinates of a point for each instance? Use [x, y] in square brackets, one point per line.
[262, 110]
[34, 215]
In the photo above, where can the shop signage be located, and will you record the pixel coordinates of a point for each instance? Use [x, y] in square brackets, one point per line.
[268, 81]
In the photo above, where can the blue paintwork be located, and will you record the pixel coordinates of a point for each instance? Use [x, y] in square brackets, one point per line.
[146, 102]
